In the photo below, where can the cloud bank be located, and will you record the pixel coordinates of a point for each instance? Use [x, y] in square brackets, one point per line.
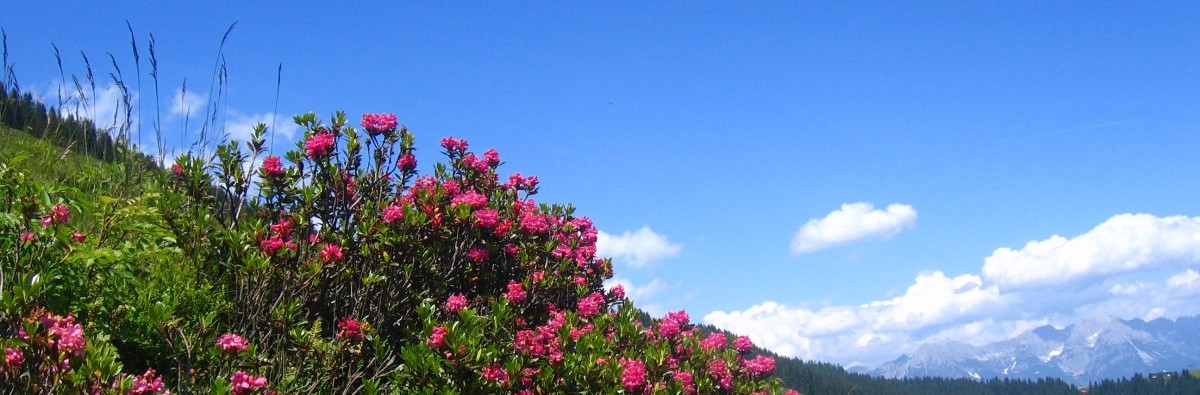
[852, 223]
[1129, 266]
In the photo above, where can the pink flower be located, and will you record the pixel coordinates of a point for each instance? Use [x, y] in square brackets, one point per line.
[79, 237]
[760, 366]
[719, 371]
[477, 254]
[528, 342]
[379, 123]
[591, 304]
[792, 392]
[633, 373]
[177, 170]
[491, 157]
[437, 338]
[349, 329]
[470, 198]
[673, 324]
[714, 341]
[231, 343]
[618, 291]
[407, 162]
[319, 145]
[26, 236]
[60, 213]
[244, 383]
[456, 303]
[453, 145]
[282, 227]
[331, 252]
[14, 358]
[393, 213]
[685, 380]
[67, 334]
[147, 383]
[272, 167]
[516, 293]
[742, 344]
[534, 223]
[486, 218]
[495, 373]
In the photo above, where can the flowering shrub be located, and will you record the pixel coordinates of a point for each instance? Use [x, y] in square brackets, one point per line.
[345, 270]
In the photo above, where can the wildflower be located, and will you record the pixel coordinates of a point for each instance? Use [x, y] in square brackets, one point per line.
[495, 373]
[760, 366]
[491, 157]
[407, 162]
[437, 337]
[59, 214]
[14, 358]
[177, 170]
[379, 123]
[618, 291]
[331, 252]
[26, 236]
[686, 381]
[393, 213]
[633, 373]
[470, 198]
[67, 334]
[516, 293]
[477, 254]
[590, 305]
[673, 323]
[486, 218]
[147, 383]
[349, 329]
[231, 343]
[244, 383]
[742, 344]
[456, 303]
[719, 371]
[528, 342]
[79, 237]
[319, 145]
[272, 167]
[534, 223]
[714, 341]
[271, 245]
[454, 145]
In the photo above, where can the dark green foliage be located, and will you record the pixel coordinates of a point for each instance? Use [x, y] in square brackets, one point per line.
[1166, 383]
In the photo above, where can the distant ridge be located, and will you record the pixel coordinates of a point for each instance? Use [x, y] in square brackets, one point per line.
[1090, 351]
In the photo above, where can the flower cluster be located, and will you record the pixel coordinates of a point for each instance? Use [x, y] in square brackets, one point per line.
[148, 383]
[231, 343]
[349, 329]
[319, 145]
[379, 123]
[272, 167]
[244, 383]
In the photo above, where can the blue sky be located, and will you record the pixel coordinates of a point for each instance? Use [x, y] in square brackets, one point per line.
[839, 181]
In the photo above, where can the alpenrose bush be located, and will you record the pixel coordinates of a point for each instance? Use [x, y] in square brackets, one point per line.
[347, 271]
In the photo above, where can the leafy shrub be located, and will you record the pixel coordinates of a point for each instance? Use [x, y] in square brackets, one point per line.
[347, 271]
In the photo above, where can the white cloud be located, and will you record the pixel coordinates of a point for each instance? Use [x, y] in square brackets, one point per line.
[187, 103]
[637, 248]
[241, 126]
[106, 109]
[1130, 266]
[1125, 243]
[851, 223]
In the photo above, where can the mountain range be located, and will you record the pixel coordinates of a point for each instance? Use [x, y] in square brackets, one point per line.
[1090, 351]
